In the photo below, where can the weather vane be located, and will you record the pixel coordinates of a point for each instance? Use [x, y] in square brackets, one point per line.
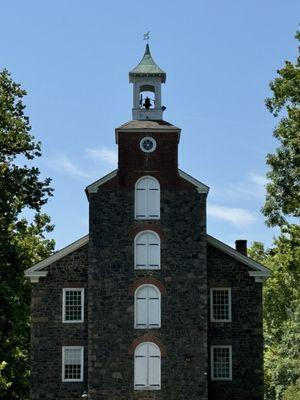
[147, 36]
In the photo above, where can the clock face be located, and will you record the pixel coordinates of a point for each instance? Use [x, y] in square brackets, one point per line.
[148, 144]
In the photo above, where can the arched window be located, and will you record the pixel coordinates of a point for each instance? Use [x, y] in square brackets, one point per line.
[147, 198]
[147, 367]
[147, 250]
[147, 307]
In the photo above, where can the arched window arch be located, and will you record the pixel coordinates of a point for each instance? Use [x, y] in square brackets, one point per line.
[147, 250]
[147, 301]
[147, 365]
[147, 198]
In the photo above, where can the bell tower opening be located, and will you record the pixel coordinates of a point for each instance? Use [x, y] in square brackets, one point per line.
[147, 96]
[147, 78]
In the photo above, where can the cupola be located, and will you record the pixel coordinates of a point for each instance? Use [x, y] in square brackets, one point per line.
[147, 78]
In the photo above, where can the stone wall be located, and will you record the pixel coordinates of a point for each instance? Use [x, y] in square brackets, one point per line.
[182, 335]
[105, 268]
[185, 309]
[244, 333]
[49, 334]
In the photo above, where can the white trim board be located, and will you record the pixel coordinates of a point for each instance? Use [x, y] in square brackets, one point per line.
[260, 272]
[201, 187]
[93, 187]
[35, 272]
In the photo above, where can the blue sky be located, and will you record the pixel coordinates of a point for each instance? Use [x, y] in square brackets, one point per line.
[73, 58]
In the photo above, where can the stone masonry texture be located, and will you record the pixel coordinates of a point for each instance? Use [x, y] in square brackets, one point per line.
[184, 305]
[105, 269]
[244, 333]
[49, 334]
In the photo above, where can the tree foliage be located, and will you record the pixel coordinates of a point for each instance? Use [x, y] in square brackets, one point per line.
[282, 290]
[281, 311]
[292, 392]
[283, 189]
[22, 242]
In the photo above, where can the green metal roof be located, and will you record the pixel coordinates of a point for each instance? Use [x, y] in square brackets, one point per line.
[147, 67]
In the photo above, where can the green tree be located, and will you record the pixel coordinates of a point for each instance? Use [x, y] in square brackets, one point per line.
[281, 311]
[282, 358]
[22, 242]
[283, 189]
[282, 290]
[292, 392]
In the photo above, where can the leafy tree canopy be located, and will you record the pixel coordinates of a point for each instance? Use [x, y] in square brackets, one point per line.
[292, 392]
[283, 189]
[22, 243]
[281, 311]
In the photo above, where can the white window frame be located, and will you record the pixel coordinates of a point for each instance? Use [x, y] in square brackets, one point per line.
[148, 387]
[64, 348]
[213, 378]
[135, 199]
[216, 289]
[135, 308]
[135, 250]
[65, 290]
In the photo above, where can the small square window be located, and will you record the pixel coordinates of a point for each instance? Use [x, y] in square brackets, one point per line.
[220, 305]
[72, 364]
[221, 363]
[73, 305]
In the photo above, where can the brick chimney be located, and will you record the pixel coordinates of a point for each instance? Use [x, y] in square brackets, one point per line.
[241, 246]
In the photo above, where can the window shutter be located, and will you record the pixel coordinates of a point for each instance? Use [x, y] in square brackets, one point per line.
[141, 199]
[147, 198]
[153, 307]
[154, 366]
[147, 307]
[153, 251]
[140, 367]
[153, 198]
[147, 251]
[142, 307]
[141, 251]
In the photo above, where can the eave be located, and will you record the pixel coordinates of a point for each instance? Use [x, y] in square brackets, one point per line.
[93, 187]
[259, 272]
[35, 272]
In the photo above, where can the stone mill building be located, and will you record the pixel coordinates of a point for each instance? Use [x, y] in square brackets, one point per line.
[148, 305]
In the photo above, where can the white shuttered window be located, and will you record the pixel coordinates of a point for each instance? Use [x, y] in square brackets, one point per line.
[147, 367]
[147, 198]
[147, 307]
[147, 250]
